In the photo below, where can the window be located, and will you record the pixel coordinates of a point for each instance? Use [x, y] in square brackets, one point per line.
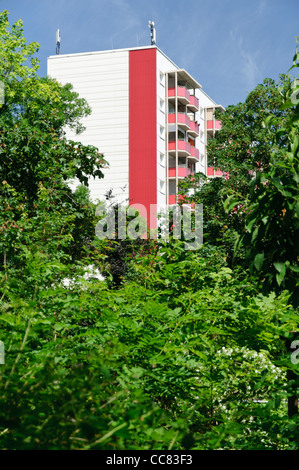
[171, 108]
[172, 187]
[182, 162]
[181, 136]
[181, 108]
[162, 78]
[171, 162]
[210, 114]
[171, 82]
[162, 186]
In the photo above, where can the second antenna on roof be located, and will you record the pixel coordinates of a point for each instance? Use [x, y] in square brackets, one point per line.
[151, 25]
[58, 41]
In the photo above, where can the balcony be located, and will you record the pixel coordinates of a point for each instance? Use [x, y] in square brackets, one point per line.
[194, 129]
[194, 154]
[172, 199]
[182, 119]
[182, 172]
[211, 126]
[194, 103]
[212, 172]
[182, 93]
[183, 148]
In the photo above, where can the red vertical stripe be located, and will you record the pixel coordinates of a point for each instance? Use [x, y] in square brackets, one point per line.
[142, 128]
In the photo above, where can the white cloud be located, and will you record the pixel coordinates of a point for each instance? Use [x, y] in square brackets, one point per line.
[261, 8]
[248, 65]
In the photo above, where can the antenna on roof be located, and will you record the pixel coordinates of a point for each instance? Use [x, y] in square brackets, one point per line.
[58, 41]
[151, 25]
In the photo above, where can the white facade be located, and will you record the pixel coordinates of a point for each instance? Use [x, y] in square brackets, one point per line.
[102, 78]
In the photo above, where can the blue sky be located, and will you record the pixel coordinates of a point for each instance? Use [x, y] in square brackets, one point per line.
[229, 46]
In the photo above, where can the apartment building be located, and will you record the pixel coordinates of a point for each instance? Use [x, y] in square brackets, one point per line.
[150, 119]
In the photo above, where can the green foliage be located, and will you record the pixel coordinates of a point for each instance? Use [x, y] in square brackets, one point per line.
[16, 57]
[243, 145]
[156, 364]
[36, 159]
[33, 147]
[240, 149]
[32, 143]
[272, 218]
[219, 228]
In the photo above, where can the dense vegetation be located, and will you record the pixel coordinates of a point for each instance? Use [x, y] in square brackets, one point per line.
[174, 349]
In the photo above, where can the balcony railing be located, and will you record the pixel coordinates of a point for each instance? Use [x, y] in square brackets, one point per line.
[172, 199]
[212, 172]
[183, 147]
[182, 93]
[194, 153]
[194, 128]
[211, 126]
[182, 172]
[182, 119]
[194, 103]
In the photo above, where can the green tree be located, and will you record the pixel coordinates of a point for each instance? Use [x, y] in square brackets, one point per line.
[272, 221]
[34, 151]
[242, 145]
[240, 149]
[16, 57]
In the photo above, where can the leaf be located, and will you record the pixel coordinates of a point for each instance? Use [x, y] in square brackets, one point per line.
[268, 120]
[218, 331]
[59, 326]
[286, 105]
[280, 277]
[294, 145]
[281, 268]
[230, 203]
[258, 261]
[7, 319]
[255, 234]
[295, 269]
[250, 224]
